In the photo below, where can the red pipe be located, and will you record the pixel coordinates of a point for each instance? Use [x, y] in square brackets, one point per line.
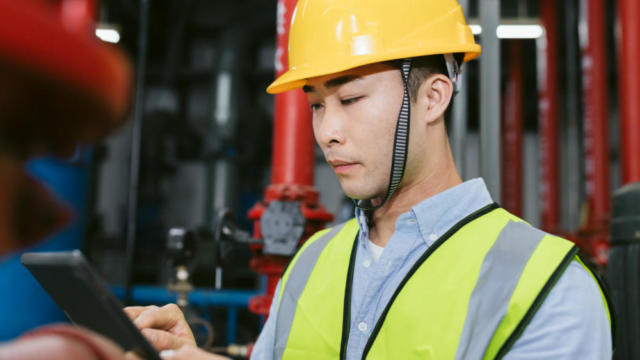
[292, 167]
[593, 235]
[548, 112]
[512, 134]
[596, 108]
[629, 48]
[293, 144]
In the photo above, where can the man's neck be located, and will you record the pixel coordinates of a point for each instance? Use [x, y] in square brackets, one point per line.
[383, 220]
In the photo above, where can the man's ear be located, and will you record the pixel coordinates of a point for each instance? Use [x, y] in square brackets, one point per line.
[434, 97]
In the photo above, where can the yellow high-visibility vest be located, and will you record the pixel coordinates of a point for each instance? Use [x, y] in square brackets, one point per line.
[469, 296]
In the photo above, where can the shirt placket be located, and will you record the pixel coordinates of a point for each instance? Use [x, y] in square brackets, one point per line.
[361, 322]
[378, 277]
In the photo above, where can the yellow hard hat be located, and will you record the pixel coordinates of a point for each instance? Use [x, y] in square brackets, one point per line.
[330, 36]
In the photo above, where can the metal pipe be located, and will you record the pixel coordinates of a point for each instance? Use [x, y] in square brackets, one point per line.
[596, 108]
[571, 167]
[136, 137]
[228, 91]
[180, 11]
[459, 118]
[571, 158]
[490, 96]
[548, 124]
[629, 48]
[293, 145]
[512, 133]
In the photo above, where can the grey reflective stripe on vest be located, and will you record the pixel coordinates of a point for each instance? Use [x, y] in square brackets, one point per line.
[298, 277]
[500, 272]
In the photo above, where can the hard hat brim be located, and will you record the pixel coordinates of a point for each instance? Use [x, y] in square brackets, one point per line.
[297, 78]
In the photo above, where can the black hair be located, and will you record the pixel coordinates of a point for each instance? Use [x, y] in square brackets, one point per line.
[424, 66]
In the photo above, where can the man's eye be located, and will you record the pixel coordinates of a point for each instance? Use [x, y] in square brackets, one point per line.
[315, 107]
[350, 100]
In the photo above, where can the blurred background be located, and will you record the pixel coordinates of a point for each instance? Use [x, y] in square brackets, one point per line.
[206, 191]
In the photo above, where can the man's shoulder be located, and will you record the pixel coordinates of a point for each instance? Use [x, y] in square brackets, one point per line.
[572, 322]
[578, 280]
[524, 224]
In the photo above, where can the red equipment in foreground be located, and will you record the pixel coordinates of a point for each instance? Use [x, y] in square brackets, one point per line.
[63, 84]
[290, 212]
[59, 86]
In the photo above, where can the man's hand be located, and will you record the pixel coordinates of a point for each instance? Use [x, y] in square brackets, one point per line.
[190, 353]
[165, 327]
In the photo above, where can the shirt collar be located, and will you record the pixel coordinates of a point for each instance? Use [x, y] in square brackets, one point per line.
[440, 212]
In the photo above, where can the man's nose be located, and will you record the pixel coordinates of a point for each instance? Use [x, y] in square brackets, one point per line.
[331, 129]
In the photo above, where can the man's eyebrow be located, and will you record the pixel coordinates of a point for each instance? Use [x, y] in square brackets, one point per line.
[332, 83]
[340, 81]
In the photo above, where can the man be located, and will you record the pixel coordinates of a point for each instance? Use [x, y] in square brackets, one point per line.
[431, 267]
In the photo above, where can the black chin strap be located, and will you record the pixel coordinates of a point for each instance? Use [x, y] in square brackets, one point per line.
[400, 145]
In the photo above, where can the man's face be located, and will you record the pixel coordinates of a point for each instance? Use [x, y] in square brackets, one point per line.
[354, 119]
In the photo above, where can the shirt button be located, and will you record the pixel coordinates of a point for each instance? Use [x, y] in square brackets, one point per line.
[433, 237]
[411, 221]
[366, 263]
[362, 326]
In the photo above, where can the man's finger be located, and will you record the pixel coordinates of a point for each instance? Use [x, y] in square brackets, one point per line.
[134, 311]
[162, 340]
[163, 318]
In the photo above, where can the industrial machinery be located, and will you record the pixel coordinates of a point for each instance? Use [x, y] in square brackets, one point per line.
[181, 248]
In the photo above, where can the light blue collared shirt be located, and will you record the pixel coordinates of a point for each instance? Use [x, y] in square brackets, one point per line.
[570, 324]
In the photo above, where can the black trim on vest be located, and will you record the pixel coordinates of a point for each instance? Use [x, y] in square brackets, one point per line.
[454, 229]
[604, 287]
[546, 289]
[346, 312]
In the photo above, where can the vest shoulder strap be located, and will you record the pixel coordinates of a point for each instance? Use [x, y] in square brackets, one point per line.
[299, 272]
[546, 261]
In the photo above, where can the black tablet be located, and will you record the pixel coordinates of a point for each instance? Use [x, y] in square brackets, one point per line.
[85, 298]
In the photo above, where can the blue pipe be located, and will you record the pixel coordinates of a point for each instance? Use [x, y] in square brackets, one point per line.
[24, 304]
[232, 324]
[144, 294]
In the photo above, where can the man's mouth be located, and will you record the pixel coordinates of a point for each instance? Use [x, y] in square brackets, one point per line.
[342, 166]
